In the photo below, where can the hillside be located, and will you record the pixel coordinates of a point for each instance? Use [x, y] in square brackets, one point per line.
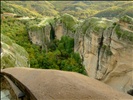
[79, 9]
[117, 11]
[85, 9]
[10, 7]
[29, 8]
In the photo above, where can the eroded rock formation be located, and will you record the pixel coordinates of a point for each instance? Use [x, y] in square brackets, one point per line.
[105, 46]
[108, 53]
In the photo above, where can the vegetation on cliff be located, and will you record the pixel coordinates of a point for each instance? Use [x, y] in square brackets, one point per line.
[94, 24]
[69, 21]
[12, 54]
[124, 28]
[61, 56]
[60, 53]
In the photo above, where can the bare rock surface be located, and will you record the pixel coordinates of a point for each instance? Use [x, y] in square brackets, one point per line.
[62, 85]
[107, 51]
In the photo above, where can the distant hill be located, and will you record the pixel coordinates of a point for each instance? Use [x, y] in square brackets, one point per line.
[79, 9]
[44, 8]
[117, 10]
[11, 7]
[29, 8]
[84, 9]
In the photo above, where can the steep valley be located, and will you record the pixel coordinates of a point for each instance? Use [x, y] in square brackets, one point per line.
[105, 49]
[100, 47]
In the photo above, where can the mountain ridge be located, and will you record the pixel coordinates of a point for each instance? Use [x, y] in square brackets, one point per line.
[79, 9]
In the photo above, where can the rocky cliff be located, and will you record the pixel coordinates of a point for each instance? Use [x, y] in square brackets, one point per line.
[106, 46]
[12, 55]
[107, 51]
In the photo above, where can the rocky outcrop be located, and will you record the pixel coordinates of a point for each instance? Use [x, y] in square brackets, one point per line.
[107, 51]
[105, 47]
[40, 34]
[12, 55]
[61, 85]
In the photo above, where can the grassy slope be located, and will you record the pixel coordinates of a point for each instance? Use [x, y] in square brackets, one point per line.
[10, 7]
[80, 9]
[29, 8]
[94, 8]
[118, 10]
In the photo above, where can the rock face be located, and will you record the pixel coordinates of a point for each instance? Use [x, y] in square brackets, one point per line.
[107, 51]
[12, 55]
[61, 85]
[64, 25]
[105, 46]
[40, 35]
